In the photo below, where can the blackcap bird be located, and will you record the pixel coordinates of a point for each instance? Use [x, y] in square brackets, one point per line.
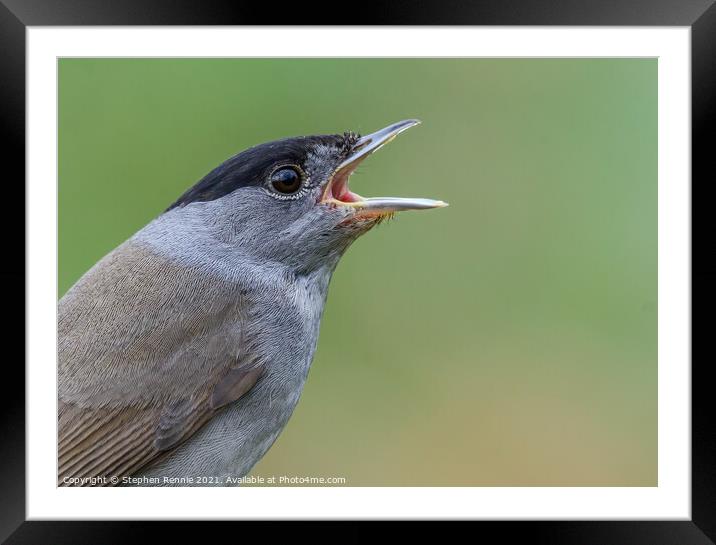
[183, 352]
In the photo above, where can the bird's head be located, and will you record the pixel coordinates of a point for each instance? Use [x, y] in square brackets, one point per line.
[289, 200]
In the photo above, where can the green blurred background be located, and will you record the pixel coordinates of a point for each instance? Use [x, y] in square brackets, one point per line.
[508, 340]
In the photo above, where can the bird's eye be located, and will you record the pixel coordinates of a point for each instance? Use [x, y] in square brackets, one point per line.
[286, 180]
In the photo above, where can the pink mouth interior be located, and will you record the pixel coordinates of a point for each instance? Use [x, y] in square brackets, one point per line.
[339, 190]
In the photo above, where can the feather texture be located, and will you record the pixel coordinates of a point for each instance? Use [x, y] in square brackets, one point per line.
[135, 383]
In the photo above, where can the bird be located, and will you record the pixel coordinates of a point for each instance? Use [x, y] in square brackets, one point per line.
[183, 352]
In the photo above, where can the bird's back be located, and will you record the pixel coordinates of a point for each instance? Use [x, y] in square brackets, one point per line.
[151, 352]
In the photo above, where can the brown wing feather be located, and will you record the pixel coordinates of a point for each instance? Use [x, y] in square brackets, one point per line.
[114, 439]
[146, 348]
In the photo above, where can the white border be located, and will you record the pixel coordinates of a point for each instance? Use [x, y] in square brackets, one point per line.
[671, 499]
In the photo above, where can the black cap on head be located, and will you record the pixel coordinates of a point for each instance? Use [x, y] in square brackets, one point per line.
[252, 166]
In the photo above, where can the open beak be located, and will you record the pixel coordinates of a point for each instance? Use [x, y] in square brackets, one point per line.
[338, 193]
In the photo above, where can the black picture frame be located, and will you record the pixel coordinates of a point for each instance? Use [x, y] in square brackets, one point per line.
[16, 15]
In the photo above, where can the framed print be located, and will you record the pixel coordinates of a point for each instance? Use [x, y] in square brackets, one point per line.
[511, 344]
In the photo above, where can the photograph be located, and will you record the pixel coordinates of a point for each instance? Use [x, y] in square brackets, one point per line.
[248, 294]
[442, 262]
